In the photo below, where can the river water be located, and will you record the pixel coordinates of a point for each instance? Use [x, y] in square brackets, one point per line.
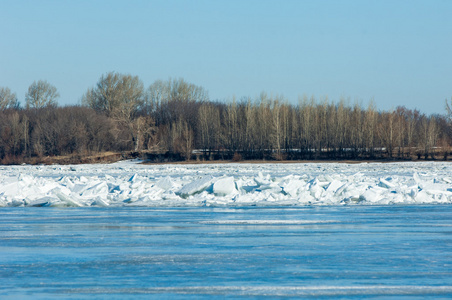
[351, 252]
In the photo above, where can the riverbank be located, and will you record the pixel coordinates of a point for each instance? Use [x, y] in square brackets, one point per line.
[165, 158]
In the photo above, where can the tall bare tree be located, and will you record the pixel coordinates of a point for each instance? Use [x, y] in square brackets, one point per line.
[449, 109]
[428, 135]
[230, 130]
[182, 138]
[174, 99]
[307, 125]
[7, 99]
[209, 127]
[387, 131]
[370, 128]
[41, 94]
[119, 96]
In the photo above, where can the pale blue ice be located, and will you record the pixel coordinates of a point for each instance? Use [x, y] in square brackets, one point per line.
[346, 252]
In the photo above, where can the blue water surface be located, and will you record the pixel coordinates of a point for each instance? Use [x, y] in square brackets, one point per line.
[282, 252]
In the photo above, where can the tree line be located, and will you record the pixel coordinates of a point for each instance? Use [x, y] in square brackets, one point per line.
[176, 120]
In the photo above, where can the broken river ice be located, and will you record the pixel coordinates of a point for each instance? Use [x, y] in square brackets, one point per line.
[130, 183]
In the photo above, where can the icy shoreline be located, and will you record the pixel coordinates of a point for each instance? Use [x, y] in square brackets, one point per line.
[129, 183]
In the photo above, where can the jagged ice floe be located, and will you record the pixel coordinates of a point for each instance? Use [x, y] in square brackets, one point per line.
[129, 183]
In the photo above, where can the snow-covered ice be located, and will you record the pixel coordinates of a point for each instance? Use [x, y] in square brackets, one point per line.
[130, 183]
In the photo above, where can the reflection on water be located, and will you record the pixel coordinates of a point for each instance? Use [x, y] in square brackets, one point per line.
[333, 252]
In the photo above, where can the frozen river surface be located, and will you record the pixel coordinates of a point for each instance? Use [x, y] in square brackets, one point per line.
[348, 252]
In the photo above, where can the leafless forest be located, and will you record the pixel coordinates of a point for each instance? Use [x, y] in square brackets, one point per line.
[175, 120]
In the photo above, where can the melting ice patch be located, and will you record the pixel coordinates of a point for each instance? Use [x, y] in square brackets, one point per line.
[132, 184]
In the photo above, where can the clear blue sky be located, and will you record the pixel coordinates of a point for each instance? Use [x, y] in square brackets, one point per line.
[396, 52]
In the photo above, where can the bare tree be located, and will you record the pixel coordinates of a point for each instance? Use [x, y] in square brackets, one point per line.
[449, 114]
[276, 132]
[264, 130]
[118, 96]
[41, 94]
[428, 135]
[370, 128]
[357, 129]
[174, 99]
[286, 125]
[279, 130]
[400, 129]
[251, 127]
[145, 132]
[182, 139]
[10, 134]
[7, 99]
[209, 127]
[307, 124]
[449, 109]
[387, 131]
[433, 134]
[230, 130]
[342, 126]
[412, 120]
[320, 128]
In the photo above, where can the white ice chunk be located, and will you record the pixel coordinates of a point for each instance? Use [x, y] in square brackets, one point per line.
[262, 180]
[386, 183]
[67, 199]
[371, 195]
[99, 202]
[334, 186]
[95, 189]
[195, 186]
[316, 188]
[224, 186]
[44, 201]
[423, 197]
[293, 187]
[447, 180]
[165, 183]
